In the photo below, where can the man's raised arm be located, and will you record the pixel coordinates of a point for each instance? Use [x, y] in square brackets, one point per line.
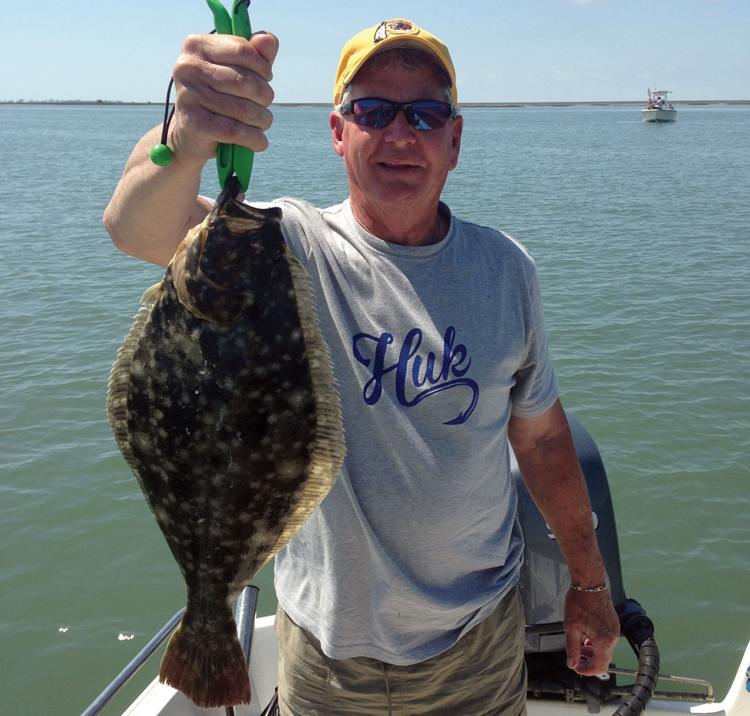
[222, 95]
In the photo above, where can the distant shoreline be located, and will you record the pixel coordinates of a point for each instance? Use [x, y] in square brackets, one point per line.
[105, 103]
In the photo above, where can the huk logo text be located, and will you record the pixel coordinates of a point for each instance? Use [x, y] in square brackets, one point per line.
[416, 374]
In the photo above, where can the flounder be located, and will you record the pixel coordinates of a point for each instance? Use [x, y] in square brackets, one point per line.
[223, 402]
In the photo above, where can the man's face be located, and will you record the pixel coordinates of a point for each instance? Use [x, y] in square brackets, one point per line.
[397, 167]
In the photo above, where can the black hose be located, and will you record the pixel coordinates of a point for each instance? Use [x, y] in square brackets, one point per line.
[638, 629]
[648, 673]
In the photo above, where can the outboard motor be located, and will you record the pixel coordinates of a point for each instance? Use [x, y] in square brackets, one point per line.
[544, 584]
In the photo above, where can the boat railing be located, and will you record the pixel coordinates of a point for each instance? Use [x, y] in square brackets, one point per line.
[245, 617]
[706, 698]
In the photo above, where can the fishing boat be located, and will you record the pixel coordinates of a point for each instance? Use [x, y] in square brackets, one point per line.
[658, 107]
[553, 689]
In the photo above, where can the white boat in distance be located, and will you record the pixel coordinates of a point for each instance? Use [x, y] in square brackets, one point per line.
[658, 109]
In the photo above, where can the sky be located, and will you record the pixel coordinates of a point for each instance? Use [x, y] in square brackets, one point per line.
[503, 50]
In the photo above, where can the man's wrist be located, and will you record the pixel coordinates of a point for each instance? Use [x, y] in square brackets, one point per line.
[590, 590]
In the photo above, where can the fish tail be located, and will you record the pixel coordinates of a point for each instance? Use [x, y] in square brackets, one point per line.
[206, 664]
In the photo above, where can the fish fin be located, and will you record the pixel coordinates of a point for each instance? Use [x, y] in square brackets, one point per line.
[179, 271]
[153, 294]
[119, 381]
[210, 669]
[329, 448]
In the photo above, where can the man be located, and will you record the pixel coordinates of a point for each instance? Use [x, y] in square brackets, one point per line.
[399, 595]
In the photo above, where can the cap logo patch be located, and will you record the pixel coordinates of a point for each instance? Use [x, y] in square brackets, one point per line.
[394, 27]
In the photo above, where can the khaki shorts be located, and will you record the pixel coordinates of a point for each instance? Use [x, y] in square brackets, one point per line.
[484, 674]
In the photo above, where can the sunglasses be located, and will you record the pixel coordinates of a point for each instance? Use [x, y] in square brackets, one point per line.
[377, 113]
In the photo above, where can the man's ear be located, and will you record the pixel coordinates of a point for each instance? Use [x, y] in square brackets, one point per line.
[336, 122]
[456, 131]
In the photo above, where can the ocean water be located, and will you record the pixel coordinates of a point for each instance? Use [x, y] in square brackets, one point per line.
[641, 234]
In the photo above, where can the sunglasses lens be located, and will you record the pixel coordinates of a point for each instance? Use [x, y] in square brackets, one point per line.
[428, 115]
[372, 113]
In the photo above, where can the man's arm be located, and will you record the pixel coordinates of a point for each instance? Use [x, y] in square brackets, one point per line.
[549, 466]
[222, 95]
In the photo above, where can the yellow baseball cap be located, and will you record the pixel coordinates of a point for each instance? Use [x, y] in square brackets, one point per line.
[389, 34]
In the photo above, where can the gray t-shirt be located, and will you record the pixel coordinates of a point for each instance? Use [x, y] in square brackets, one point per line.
[433, 347]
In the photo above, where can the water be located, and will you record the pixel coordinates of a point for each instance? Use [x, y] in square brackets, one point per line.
[640, 233]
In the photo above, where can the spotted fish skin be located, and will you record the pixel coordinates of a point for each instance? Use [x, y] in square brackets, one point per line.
[223, 403]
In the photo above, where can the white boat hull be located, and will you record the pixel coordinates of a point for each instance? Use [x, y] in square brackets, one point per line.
[160, 700]
[659, 115]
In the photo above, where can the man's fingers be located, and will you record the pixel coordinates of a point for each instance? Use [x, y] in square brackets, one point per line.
[266, 44]
[590, 616]
[226, 105]
[573, 648]
[256, 54]
[215, 128]
[223, 93]
[590, 662]
[226, 64]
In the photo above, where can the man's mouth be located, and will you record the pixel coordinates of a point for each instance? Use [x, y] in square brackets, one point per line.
[397, 165]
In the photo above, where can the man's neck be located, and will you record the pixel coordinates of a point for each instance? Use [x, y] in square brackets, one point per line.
[403, 227]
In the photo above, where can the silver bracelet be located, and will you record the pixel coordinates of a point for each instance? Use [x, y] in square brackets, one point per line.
[589, 589]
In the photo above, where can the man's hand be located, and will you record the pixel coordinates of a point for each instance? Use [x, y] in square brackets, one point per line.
[591, 631]
[222, 94]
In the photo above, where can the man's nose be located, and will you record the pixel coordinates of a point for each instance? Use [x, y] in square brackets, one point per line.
[399, 130]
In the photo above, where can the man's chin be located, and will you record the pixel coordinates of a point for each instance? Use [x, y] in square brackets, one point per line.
[397, 194]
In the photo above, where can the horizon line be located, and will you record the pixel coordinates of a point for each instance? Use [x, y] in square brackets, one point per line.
[497, 103]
